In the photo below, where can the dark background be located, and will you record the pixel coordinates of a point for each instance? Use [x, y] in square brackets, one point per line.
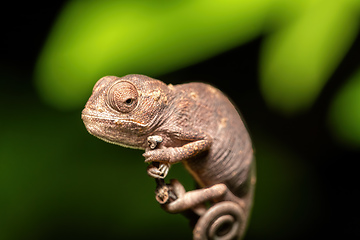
[58, 182]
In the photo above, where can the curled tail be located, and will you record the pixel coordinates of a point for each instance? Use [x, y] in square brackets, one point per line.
[224, 220]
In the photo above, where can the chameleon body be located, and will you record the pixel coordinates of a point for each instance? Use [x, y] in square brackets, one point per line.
[192, 123]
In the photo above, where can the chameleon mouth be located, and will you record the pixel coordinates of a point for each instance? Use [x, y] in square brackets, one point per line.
[89, 118]
[111, 120]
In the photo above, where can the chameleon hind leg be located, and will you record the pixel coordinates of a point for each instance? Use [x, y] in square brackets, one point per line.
[193, 199]
[223, 220]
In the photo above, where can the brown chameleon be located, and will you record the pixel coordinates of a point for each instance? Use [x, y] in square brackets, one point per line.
[192, 123]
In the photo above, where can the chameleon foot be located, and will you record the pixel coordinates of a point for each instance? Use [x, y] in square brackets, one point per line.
[158, 170]
[164, 193]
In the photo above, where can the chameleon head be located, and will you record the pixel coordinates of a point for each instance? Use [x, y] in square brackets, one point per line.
[124, 110]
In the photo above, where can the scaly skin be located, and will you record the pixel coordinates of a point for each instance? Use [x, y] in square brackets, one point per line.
[198, 126]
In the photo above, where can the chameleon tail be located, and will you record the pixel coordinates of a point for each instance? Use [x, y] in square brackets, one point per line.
[224, 220]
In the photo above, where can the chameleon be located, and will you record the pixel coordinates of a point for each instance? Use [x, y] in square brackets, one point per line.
[192, 123]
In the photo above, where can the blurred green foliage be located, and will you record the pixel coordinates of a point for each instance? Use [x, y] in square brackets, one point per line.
[305, 41]
[344, 114]
[299, 58]
[96, 38]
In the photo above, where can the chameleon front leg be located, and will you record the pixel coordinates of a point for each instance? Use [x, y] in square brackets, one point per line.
[166, 156]
[199, 142]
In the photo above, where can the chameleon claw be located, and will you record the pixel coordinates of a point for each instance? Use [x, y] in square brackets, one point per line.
[159, 171]
[154, 141]
[164, 169]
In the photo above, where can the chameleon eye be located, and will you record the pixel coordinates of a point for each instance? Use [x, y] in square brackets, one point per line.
[129, 101]
[122, 97]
